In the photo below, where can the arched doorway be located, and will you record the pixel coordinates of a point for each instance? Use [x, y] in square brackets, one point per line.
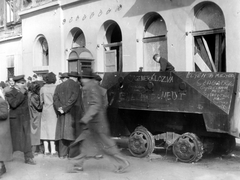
[79, 57]
[209, 38]
[112, 45]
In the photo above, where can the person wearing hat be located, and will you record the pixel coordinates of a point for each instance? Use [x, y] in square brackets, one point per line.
[5, 134]
[64, 77]
[67, 102]
[49, 116]
[20, 118]
[95, 138]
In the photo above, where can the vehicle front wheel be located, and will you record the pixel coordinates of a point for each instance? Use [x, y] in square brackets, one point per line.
[141, 142]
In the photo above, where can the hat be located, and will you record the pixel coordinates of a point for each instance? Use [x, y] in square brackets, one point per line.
[87, 73]
[50, 78]
[2, 84]
[98, 78]
[19, 78]
[64, 75]
[73, 74]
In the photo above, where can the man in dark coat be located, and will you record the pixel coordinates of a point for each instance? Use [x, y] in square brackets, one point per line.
[96, 135]
[66, 101]
[20, 118]
[164, 64]
[5, 135]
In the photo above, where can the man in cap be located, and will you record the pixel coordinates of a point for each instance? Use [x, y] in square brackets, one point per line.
[67, 101]
[20, 118]
[96, 135]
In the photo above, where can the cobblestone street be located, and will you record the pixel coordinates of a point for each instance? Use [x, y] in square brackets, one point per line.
[159, 166]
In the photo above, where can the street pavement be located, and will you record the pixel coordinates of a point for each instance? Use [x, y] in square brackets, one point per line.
[161, 165]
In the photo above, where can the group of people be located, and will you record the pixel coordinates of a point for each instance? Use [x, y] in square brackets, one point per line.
[57, 117]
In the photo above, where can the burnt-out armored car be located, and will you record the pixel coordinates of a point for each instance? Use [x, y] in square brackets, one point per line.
[190, 112]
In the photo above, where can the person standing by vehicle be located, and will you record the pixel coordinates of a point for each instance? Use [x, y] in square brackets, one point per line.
[164, 64]
[65, 98]
[49, 116]
[35, 108]
[20, 118]
[96, 134]
[5, 135]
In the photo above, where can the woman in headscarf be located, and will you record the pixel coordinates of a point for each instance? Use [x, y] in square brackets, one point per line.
[5, 135]
[49, 117]
[35, 108]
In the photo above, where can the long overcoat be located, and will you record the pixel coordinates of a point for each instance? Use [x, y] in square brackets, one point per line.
[5, 135]
[35, 108]
[49, 116]
[66, 95]
[19, 120]
[96, 136]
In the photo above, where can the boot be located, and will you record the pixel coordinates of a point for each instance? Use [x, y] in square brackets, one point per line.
[121, 168]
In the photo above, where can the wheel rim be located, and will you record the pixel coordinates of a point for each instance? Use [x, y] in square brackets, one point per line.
[188, 148]
[141, 142]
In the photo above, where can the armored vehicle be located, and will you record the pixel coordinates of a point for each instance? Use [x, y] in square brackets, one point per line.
[191, 113]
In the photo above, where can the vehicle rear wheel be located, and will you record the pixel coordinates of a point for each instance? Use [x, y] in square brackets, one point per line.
[141, 142]
[188, 148]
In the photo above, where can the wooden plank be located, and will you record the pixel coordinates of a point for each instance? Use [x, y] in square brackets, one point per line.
[112, 44]
[209, 54]
[202, 52]
[207, 32]
[201, 63]
[110, 61]
[120, 59]
[217, 52]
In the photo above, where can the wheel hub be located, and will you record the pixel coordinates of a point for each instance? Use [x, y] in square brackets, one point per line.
[141, 142]
[137, 143]
[187, 148]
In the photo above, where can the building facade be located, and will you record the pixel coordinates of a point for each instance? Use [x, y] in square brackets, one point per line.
[122, 35]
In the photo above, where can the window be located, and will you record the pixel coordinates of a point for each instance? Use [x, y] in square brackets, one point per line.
[113, 48]
[209, 39]
[154, 41]
[79, 59]
[78, 40]
[10, 72]
[9, 11]
[45, 57]
[1, 13]
[41, 52]
[10, 65]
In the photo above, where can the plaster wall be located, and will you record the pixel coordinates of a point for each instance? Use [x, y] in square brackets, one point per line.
[55, 24]
[47, 24]
[10, 48]
[178, 17]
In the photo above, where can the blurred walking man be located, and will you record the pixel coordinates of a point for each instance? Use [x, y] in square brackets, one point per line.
[96, 135]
